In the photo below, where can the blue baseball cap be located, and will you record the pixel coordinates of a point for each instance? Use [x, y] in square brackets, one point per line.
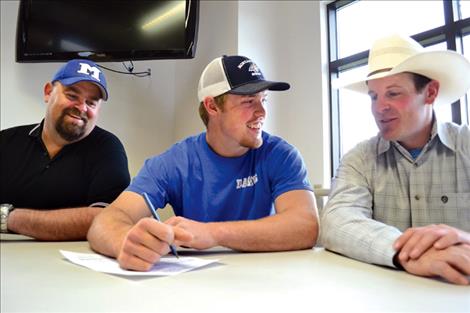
[79, 70]
[234, 74]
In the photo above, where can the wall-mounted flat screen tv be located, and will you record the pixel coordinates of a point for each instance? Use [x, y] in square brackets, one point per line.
[106, 30]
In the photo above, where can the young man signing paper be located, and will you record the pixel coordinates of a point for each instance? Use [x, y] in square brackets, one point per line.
[233, 185]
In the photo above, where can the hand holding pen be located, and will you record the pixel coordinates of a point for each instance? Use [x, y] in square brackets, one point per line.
[157, 217]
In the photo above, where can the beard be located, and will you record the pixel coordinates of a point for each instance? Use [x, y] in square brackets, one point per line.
[70, 131]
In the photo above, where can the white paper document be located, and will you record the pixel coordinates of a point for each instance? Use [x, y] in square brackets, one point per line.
[167, 265]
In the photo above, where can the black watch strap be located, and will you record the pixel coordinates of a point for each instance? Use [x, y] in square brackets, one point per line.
[396, 262]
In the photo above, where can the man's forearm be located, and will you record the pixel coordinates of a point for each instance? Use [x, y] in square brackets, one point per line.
[351, 232]
[280, 232]
[58, 224]
[107, 232]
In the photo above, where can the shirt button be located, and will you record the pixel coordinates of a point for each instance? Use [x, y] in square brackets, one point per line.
[47, 166]
[444, 199]
[417, 197]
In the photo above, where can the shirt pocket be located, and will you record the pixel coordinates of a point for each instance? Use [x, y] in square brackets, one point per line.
[452, 209]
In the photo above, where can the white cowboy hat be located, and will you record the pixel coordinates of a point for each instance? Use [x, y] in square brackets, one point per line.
[397, 54]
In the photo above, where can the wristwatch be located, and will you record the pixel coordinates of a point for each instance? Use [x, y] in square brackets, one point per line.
[5, 210]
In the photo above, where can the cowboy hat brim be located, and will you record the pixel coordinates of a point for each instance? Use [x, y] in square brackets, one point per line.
[449, 68]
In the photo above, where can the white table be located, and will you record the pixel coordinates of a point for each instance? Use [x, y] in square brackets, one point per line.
[36, 278]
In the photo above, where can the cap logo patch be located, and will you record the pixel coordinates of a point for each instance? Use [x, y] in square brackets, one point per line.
[254, 70]
[89, 70]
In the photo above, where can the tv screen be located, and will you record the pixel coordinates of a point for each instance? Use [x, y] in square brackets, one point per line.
[106, 30]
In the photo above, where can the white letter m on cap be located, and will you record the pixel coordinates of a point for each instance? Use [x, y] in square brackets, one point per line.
[89, 70]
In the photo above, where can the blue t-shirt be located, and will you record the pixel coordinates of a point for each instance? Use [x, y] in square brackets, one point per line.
[201, 185]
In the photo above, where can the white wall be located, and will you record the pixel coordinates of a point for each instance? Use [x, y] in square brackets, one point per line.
[284, 38]
[149, 114]
[217, 36]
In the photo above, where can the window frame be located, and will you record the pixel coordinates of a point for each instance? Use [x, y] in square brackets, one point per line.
[451, 33]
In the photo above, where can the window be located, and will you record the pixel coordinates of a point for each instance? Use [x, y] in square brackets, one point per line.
[352, 28]
[466, 49]
[381, 18]
[464, 9]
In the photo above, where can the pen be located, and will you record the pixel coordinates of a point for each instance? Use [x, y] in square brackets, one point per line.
[155, 215]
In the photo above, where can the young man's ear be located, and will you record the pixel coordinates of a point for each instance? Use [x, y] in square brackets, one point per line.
[431, 91]
[210, 105]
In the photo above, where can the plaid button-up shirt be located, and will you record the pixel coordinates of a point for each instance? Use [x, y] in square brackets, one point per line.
[380, 190]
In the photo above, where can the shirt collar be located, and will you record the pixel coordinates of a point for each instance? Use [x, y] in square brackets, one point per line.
[383, 146]
[37, 130]
[444, 135]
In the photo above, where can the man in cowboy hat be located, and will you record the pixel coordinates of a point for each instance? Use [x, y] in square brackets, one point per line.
[402, 198]
[233, 185]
